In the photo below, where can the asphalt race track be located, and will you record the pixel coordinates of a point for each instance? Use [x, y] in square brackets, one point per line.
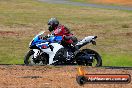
[87, 5]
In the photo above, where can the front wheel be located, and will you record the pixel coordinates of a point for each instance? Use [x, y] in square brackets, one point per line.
[96, 58]
[40, 60]
[28, 59]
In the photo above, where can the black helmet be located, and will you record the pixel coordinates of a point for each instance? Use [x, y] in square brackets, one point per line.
[53, 22]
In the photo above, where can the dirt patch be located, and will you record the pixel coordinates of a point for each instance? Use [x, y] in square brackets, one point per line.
[52, 77]
[6, 33]
[129, 34]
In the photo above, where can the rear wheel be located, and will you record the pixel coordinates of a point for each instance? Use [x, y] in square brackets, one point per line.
[96, 58]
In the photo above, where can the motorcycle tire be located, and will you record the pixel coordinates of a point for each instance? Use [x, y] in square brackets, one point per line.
[27, 56]
[89, 51]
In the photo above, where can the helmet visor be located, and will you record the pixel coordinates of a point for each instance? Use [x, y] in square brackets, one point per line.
[50, 28]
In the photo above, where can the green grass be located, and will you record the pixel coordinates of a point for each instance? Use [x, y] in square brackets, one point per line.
[116, 59]
[28, 17]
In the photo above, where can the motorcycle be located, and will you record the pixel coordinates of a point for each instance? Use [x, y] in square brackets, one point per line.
[51, 51]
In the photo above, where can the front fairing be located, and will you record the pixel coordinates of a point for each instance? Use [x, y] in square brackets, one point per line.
[37, 41]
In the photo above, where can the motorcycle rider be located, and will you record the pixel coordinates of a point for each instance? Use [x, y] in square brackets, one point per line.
[60, 30]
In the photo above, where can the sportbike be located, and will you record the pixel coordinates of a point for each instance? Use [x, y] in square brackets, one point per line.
[50, 51]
